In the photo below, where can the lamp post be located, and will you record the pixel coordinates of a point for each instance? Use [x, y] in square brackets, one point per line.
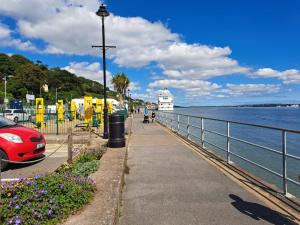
[56, 94]
[128, 101]
[5, 90]
[5, 99]
[102, 12]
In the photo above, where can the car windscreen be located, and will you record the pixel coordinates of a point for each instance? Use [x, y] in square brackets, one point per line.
[6, 122]
[7, 111]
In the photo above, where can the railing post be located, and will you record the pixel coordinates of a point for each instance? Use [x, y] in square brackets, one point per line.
[56, 122]
[188, 127]
[177, 123]
[228, 142]
[70, 145]
[202, 132]
[284, 183]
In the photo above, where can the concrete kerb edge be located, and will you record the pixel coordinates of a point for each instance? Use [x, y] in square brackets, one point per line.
[237, 175]
[120, 191]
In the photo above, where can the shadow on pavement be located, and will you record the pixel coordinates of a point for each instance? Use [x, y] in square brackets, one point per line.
[260, 212]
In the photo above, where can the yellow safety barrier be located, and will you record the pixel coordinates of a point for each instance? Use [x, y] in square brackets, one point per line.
[40, 110]
[110, 108]
[88, 110]
[99, 110]
[73, 110]
[60, 111]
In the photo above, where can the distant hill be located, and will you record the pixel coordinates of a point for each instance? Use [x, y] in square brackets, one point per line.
[29, 77]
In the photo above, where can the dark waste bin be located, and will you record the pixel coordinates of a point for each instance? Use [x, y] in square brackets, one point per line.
[116, 131]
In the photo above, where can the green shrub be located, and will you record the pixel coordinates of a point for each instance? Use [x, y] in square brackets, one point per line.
[44, 200]
[86, 168]
[85, 157]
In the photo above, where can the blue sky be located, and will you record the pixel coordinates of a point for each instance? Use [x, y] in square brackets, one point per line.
[213, 52]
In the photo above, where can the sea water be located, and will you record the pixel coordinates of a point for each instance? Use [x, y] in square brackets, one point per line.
[281, 117]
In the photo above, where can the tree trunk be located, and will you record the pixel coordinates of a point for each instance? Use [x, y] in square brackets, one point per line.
[120, 100]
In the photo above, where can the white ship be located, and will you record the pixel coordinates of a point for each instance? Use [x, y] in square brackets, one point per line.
[165, 100]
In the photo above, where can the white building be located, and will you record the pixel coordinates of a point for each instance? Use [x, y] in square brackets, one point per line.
[165, 100]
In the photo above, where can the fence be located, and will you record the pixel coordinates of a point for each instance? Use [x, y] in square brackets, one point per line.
[262, 150]
[53, 123]
[74, 149]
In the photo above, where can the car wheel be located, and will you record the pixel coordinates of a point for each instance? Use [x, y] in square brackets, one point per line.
[3, 156]
[16, 119]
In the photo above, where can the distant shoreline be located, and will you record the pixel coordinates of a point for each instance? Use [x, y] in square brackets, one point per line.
[254, 105]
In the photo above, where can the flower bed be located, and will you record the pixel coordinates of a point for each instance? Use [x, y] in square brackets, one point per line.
[49, 199]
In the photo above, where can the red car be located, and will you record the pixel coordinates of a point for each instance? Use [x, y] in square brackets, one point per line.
[19, 143]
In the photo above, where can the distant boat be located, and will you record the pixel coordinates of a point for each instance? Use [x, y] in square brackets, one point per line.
[165, 100]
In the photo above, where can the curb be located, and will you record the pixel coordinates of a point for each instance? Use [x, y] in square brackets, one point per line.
[105, 206]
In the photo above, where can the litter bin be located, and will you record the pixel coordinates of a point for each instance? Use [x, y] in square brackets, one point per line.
[116, 131]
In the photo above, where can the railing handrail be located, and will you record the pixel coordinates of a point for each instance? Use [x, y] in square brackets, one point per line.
[238, 122]
[229, 137]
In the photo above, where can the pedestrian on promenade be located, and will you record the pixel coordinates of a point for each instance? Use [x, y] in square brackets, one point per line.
[153, 116]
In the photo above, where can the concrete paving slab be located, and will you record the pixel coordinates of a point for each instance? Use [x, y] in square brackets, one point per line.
[169, 184]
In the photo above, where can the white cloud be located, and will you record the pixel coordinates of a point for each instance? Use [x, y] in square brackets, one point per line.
[6, 40]
[134, 86]
[191, 88]
[150, 95]
[249, 89]
[90, 71]
[68, 28]
[291, 76]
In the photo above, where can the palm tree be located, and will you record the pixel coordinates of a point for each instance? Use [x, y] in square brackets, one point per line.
[121, 83]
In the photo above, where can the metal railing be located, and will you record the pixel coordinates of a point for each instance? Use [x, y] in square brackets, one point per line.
[174, 121]
[52, 122]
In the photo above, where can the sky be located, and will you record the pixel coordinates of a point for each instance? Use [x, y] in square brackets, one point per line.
[208, 52]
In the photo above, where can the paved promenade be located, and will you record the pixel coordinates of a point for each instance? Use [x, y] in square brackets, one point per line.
[169, 184]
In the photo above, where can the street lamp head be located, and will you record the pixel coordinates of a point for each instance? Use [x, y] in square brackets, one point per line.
[102, 11]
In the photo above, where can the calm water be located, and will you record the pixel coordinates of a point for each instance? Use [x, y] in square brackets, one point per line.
[278, 117]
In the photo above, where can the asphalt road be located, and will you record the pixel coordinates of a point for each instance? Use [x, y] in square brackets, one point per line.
[49, 164]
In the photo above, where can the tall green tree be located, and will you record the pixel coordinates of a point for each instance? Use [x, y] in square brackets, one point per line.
[121, 83]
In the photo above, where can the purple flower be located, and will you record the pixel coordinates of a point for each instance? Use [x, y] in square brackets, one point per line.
[50, 212]
[43, 192]
[17, 207]
[10, 221]
[36, 177]
[18, 221]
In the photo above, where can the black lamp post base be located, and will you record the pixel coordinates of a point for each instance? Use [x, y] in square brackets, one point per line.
[105, 135]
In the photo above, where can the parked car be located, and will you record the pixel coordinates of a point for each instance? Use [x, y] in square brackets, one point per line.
[17, 115]
[19, 143]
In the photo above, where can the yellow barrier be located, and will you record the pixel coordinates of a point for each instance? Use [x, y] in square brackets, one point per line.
[88, 110]
[99, 111]
[73, 110]
[40, 110]
[110, 108]
[60, 111]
